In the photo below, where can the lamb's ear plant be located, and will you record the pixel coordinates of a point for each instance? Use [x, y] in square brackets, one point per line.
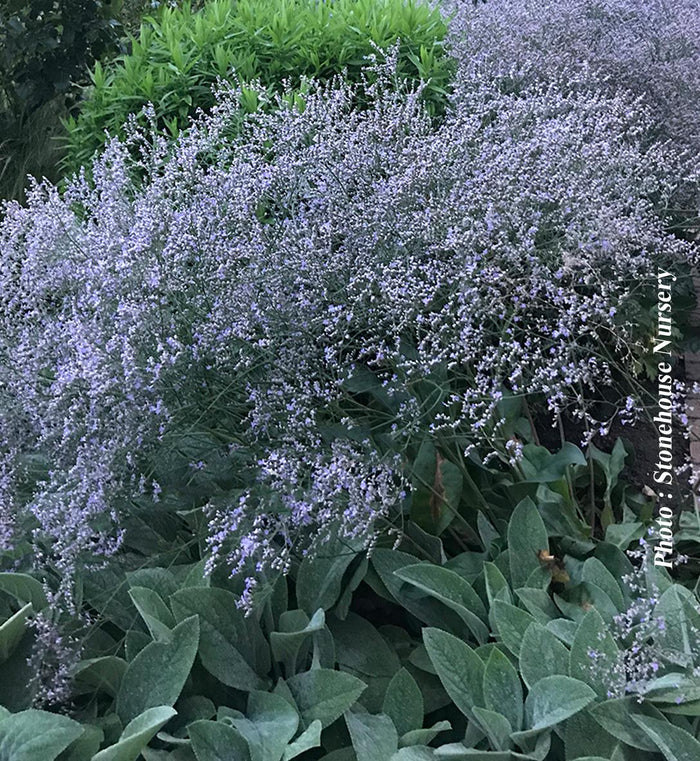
[452, 658]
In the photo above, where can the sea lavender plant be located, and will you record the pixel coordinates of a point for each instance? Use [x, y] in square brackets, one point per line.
[53, 660]
[195, 334]
[639, 632]
[650, 48]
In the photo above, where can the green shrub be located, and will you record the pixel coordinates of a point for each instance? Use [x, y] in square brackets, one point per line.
[179, 55]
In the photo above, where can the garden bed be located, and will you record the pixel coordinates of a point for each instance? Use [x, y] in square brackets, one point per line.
[278, 368]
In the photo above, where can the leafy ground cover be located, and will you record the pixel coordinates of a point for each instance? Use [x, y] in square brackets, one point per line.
[274, 394]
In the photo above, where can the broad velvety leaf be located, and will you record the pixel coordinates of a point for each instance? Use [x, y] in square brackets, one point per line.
[137, 734]
[24, 588]
[103, 673]
[269, 725]
[594, 572]
[459, 668]
[309, 738]
[86, 746]
[527, 536]
[217, 741]
[593, 655]
[424, 736]
[511, 624]
[374, 737]
[554, 699]
[539, 465]
[295, 628]
[681, 619]
[538, 604]
[36, 735]
[563, 630]
[541, 655]
[153, 611]
[360, 647]
[415, 753]
[497, 587]
[617, 717]
[157, 674]
[583, 736]
[403, 702]
[675, 743]
[451, 589]
[319, 581]
[227, 641]
[12, 630]
[503, 692]
[324, 694]
[496, 726]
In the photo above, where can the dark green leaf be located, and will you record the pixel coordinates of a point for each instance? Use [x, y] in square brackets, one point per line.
[12, 630]
[360, 647]
[459, 668]
[403, 702]
[25, 588]
[324, 694]
[103, 673]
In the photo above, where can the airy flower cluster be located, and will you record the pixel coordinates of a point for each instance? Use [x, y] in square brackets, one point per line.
[650, 48]
[54, 658]
[232, 290]
[640, 634]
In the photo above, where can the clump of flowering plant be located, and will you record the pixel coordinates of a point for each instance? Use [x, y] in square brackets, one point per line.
[647, 646]
[650, 48]
[199, 335]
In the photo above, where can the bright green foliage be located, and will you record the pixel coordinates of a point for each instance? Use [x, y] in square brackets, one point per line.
[180, 53]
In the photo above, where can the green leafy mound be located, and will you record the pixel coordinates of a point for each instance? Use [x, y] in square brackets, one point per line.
[180, 53]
